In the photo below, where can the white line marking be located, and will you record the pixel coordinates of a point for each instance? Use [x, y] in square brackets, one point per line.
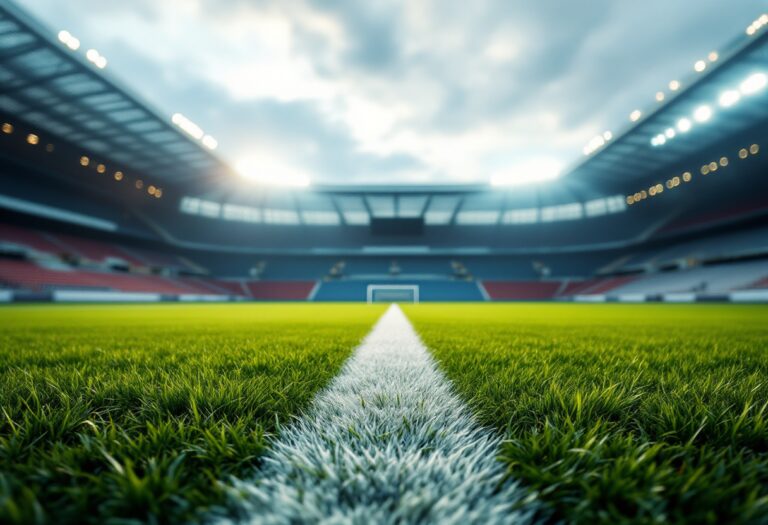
[386, 442]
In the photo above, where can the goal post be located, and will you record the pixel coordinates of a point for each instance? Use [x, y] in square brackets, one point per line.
[393, 293]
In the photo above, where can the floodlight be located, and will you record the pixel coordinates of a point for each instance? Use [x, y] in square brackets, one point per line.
[754, 83]
[729, 98]
[702, 113]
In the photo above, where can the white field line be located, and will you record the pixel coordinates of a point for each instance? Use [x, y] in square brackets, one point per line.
[386, 442]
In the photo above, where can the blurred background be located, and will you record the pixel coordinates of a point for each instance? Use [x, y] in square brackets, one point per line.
[308, 150]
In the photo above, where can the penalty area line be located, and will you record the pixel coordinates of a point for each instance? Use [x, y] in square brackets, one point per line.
[387, 441]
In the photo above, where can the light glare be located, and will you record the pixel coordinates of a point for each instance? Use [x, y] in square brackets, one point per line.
[702, 114]
[754, 83]
[729, 98]
[529, 172]
[683, 125]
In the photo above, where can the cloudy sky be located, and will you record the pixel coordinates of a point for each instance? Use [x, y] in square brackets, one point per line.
[416, 91]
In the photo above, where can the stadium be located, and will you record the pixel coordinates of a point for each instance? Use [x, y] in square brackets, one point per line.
[188, 338]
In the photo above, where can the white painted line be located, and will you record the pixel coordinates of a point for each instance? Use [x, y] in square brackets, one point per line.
[314, 291]
[387, 442]
[483, 291]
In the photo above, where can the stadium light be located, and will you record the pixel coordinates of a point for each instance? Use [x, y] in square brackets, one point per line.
[96, 58]
[683, 125]
[529, 172]
[713, 56]
[210, 142]
[729, 98]
[597, 142]
[674, 85]
[753, 83]
[755, 26]
[635, 115]
[187, 126]
[700, 66]
[66, 38]
[702, 113]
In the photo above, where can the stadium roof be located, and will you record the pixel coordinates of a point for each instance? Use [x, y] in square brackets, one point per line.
[71, 96]
[51, 87]
[719, 88]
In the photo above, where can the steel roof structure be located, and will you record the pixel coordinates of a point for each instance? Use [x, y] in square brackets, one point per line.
[48, 85]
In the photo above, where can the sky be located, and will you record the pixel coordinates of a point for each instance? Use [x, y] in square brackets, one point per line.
[400, 91]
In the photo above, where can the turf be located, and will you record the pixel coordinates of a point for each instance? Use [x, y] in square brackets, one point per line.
[121, 414]
[619, 413]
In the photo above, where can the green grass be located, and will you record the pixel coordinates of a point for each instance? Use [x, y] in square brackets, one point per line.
[619, 413]
[121, 414]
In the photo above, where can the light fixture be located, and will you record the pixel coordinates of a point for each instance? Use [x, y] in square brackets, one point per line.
[729, 98]
[670, 133]
[210, 142]
[702, 113]
[7, 128]
[118, 175]
[84, 161]
[700, 66]
[96, 58]
[188, 126]
[635, 115]
[674, 85]
[33, 139]
[683, 125]
[754, 83]
[713, 56]
[743, 153]
[66, 38]
[660, 96]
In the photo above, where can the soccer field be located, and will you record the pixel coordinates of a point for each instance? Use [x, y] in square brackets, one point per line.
[609, 413]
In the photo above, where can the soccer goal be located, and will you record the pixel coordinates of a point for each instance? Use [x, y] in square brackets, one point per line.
[393, 293]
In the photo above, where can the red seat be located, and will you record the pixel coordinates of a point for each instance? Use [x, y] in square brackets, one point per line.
[281, 290]
[521, 290]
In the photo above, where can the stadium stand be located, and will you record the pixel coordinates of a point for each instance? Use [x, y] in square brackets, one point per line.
[280, 290]
[521, 290]
[93, 250]
[429, 290]
[27, 239]
[706, 279]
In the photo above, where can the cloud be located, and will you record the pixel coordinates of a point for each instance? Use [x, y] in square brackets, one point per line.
[400, 90]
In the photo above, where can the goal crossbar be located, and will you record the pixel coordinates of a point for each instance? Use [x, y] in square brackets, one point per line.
[373, 288]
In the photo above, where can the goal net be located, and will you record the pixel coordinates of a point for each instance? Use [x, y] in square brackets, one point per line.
[393, 293]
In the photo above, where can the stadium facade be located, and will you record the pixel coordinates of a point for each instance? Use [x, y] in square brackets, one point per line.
[105, 198]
